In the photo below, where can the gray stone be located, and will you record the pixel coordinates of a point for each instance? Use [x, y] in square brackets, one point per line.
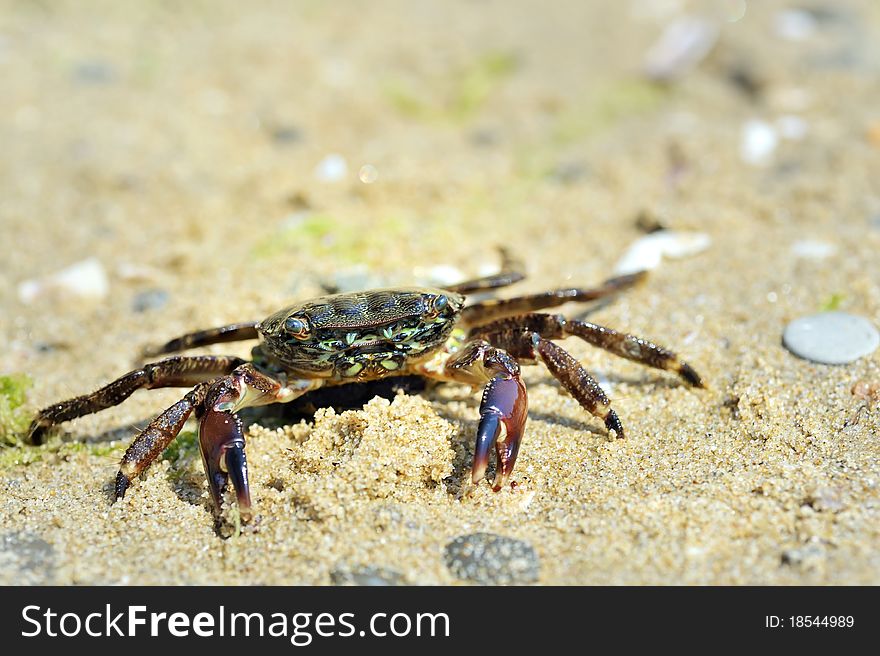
[492, 559]
[151, 299]
[94, 71]
[368, 575]
[26, 559]
[831, 337]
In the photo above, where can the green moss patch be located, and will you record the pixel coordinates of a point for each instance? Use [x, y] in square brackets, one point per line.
[14, 417]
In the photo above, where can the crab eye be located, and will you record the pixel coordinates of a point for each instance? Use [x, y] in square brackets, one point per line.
[297, 327]
[437, 305]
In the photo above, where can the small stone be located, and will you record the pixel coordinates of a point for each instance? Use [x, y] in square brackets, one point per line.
[94, 71]
[332, 168]
[484, 137]
[367, 575]
[491, 559]
[826, 499]
[807, 557]
[831, 337]
[151, 299]
[795, 24]
[286, 134]
[27, 559]
[792, 127]
[758, 142]
[569, 172]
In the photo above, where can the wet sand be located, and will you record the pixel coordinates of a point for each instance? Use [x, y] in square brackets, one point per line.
[186, 152]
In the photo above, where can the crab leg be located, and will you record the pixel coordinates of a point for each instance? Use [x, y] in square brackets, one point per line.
[503, 410]
[235, 332]
[551, 326]
[221, 439]
[568, 371]
[179, 371]
[151, 441]
[492, 309]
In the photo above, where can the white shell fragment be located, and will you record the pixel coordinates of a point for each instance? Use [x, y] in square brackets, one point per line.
[682, 46]
[86, 279]
[831, 337]
[647, 253]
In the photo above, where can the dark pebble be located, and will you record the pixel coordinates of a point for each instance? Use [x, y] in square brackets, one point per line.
[492, 559]
[484, 137]
[152, 299]
[286, 135]
[569, 172]
[94, 72]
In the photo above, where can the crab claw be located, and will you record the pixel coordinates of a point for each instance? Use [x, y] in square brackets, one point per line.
[222, 446]
[503, 414]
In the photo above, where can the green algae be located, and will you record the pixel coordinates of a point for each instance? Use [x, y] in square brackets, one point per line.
[14, 416]
[463, 92]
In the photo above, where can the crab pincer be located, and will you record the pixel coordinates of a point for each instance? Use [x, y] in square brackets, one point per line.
[221, 442]
[222, 445]
[503, 413]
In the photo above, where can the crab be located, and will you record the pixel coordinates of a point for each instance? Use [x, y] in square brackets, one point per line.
[366, 336]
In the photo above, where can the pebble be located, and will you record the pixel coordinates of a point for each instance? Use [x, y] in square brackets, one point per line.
[94, 71]
[792, 127]
[86, 279]
[826, 499]
[27, 559]
[151, 299]
[286, 135]
[758, 142]
[831, 337]
[808, 556]
[491, 559]
[332, 168]
[368, 575]
[795, 25]
[647, 252]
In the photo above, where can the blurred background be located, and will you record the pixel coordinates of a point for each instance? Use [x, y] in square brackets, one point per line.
[205, 152]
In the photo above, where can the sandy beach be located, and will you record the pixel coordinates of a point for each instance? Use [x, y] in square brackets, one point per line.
[215, 163]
